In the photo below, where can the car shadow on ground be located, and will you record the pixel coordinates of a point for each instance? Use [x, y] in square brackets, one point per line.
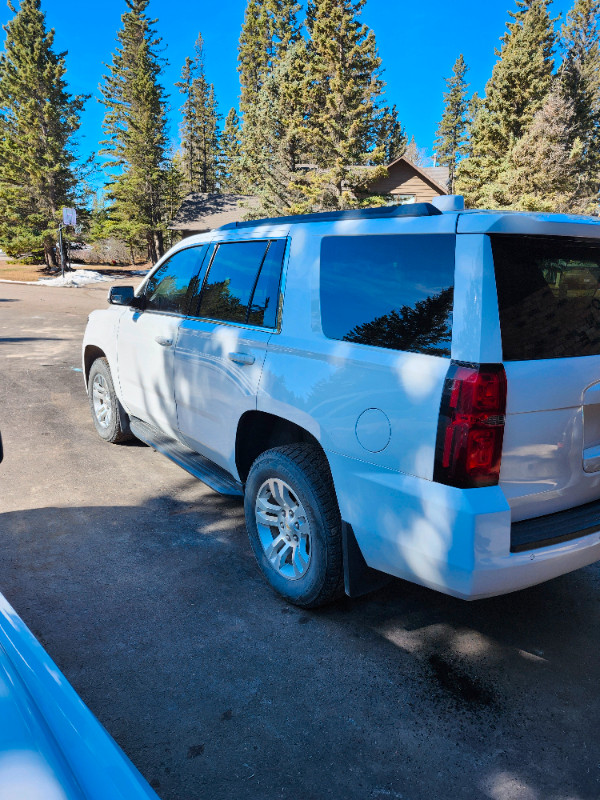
[216, 687]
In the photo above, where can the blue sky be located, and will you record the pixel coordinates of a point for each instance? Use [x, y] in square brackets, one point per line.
[418, 43]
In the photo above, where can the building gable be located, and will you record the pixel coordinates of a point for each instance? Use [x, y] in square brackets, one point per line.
[406, 179]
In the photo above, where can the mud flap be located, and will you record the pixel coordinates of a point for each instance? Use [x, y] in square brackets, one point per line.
[359, 578]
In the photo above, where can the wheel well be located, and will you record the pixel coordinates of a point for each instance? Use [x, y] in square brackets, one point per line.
[91, 354]
[258, 431]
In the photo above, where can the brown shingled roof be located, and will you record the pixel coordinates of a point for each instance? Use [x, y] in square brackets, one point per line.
[203, 211]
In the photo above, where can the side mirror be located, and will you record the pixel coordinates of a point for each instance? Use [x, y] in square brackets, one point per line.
[140, 302]
[120, 295]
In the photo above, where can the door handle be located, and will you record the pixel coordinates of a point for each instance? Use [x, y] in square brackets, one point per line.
[163, 341]
[241, 358]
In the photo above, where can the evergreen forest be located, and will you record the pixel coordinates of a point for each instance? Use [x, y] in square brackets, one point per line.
[312, 131]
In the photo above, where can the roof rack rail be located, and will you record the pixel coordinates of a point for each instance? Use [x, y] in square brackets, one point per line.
[381, 212]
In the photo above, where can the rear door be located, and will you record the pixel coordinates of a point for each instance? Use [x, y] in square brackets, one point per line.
[549, 305]
[221, 347]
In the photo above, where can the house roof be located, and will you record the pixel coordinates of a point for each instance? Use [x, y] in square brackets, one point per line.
[439, 176]
[202, 211]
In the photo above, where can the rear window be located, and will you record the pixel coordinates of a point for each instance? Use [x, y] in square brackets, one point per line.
[391, 291]
[548, 296]
[231, 279]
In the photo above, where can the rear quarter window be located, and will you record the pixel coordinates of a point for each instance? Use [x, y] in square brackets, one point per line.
[548, 296]
[392, 291]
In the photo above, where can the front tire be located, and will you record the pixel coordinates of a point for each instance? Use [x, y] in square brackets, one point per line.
[110, 419]
[294, 524]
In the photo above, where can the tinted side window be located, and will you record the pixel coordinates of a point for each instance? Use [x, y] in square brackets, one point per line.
[263, 307]
[548, 296]
[392, 291]
[230, 281]
[172, 284]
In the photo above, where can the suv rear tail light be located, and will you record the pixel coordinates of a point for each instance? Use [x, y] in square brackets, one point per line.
[471, 426]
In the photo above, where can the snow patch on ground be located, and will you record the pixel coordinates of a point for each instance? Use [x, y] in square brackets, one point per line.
[81, 277]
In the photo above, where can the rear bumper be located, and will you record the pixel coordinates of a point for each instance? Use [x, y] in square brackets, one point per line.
[551, 529]
[457, 541]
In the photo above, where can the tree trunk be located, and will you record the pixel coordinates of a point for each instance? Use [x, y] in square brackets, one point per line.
[50, 253]
[159, 244]
[152, 255]
[63, 255]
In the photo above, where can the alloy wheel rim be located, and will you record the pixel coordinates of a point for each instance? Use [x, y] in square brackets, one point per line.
[283, 529]
[101, 400]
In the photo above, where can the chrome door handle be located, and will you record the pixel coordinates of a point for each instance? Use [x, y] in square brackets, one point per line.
[241, 358]
[163, 341]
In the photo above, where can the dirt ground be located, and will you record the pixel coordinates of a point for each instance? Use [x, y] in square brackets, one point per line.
[140, 583]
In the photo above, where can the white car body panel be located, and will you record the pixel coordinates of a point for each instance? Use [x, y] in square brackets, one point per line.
[145, 366]
[101, 332]
[476, 334]
[211, 389]
[531, 224]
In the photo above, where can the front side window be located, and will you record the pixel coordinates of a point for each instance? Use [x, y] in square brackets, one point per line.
[392, 291]
[170, 287]
[242, 284]
[548, 296]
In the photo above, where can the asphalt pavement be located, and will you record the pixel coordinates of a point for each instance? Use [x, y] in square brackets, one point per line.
[140, 583]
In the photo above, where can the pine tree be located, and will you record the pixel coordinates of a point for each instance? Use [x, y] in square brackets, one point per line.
[580, 69]
[270, 27]
[135, 126]
[542, 167]
[476, 106]
[391, 138]
[415, 154]
[270, 36]
[275, 135]
[230, 172]
[451, 135]
[200, 125]
[38, 121]
[580, 78]
[521, 79]
[518, 88]
[175, 188]
[344, 86]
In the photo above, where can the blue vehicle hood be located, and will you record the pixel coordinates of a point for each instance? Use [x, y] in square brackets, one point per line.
[51, 745]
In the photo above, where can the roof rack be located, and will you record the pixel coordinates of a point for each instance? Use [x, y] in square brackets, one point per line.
[381, 212]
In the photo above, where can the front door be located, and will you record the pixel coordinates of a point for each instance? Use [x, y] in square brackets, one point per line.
[146, 340]
[221, 350]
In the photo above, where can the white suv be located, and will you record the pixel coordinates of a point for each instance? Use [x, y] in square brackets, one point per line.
[394, 390]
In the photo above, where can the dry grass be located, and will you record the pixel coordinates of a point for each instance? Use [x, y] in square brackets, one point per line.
[32, 273]
[20, 272]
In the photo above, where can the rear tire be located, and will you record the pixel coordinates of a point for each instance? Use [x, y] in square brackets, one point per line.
[110, 420]
[294, 524]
